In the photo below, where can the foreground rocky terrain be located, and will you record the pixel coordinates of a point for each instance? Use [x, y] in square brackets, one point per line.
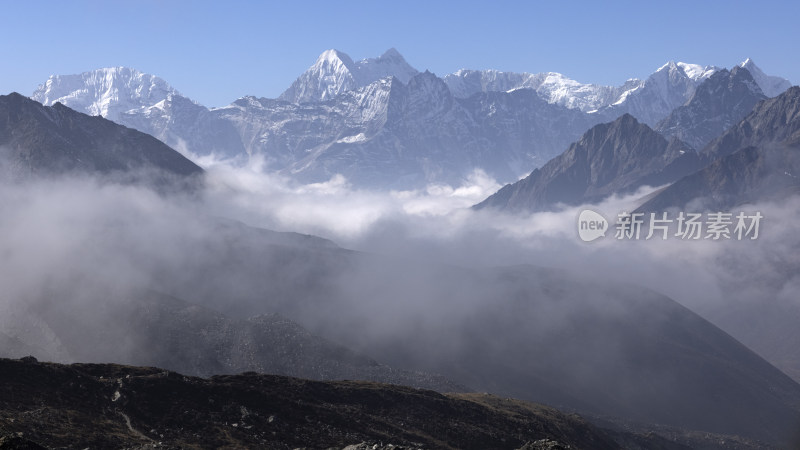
[46, 405]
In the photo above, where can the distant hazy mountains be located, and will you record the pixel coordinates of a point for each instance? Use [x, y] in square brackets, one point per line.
[37, 140]
[618, 157]
[383, 124]
[757, 159]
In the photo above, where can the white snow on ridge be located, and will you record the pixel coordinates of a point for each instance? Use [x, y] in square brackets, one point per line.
[624, 96]
[334, 72]
[697, 72]
[553, 87]
[558, 89]
[107, 92]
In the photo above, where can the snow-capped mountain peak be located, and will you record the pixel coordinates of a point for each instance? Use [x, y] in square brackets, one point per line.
[333, 63]
[108, 92]
[670, 86]
[146, 103]
[771, 85]
[694, 72]
[334, 56]
[335, 72]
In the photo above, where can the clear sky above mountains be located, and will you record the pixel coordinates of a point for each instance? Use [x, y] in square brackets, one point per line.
[216, 52]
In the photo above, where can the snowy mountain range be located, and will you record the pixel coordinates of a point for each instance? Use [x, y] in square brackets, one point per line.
[381, 123]
[394, 135]
[670, 86]
[620, 156]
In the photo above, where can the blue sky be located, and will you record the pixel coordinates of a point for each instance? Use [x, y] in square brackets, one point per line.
[215, 52]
